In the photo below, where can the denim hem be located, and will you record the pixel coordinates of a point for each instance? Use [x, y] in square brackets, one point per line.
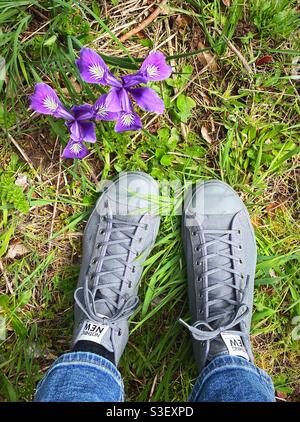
[86, 359]
[223, 363]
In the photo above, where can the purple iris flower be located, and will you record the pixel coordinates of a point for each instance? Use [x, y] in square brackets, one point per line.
[118, 101]
[45, 101]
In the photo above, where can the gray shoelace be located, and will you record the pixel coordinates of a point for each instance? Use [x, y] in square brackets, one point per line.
[203, 330]
[124, 306]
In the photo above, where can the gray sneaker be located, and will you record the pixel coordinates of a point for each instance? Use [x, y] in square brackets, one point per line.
[118, 238]
[220, 252]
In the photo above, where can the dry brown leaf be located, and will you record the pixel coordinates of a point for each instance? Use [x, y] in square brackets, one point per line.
[205, 134]
[182, 23]
[22, 181]
[207, 59]
[226, 2]
[15, 250]
[264, 60]
[271, 208]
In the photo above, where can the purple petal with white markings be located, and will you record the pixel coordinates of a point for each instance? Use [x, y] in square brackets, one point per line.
[100, 110]
[75, 150]
[155, 68]
[128, 121]
[93, 69]
[45, 101]
[147, 99]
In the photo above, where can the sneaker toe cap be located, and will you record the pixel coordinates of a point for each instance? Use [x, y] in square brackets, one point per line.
[215, 198]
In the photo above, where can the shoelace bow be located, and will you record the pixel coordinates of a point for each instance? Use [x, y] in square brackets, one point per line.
[124, 307]
[202, 330]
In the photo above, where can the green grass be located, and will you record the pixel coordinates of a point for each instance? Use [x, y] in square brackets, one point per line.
[253, 124]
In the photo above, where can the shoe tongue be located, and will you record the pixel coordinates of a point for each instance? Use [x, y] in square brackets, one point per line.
[222, 222]
[225, 343]
[114, 265]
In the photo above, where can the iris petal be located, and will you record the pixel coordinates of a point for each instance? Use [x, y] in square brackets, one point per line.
[82, 131]
[135, 79]
[100, 110]
[118, 100]
[45, 101]
[88, 131]
[83, 112]
[148, 100]
[155, 68]
[128, 121]
[93, 69]
[75, 150]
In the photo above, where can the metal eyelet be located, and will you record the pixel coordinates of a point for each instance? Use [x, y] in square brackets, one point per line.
[199, 278]
[197, 249]
[194, 233]
[198, 263]
[119, 332]
[129, 284]
[98, 246]
[240, 247]
[133, 269]
[94, 261]
[241, 261]
[242, 276]
[239, 231]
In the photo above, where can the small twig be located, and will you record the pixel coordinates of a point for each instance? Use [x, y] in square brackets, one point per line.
[105, 9]
[145, 23]
[40, 143]
[178, 154]
[55, 203]
[9, 287]
[125, 6]
[21, 125]
[158, 47]
[25, 156]
[35, 32]
[203, 70]
[153, 386]
[115, 31]
[184, 129]
[238, 53]
[53, 151]
[37, 12]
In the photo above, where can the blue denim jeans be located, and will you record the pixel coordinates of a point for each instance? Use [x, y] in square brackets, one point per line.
[86, 377]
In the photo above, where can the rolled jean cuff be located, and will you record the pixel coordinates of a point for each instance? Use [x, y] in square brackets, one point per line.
[232, 378]
[81, 377]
